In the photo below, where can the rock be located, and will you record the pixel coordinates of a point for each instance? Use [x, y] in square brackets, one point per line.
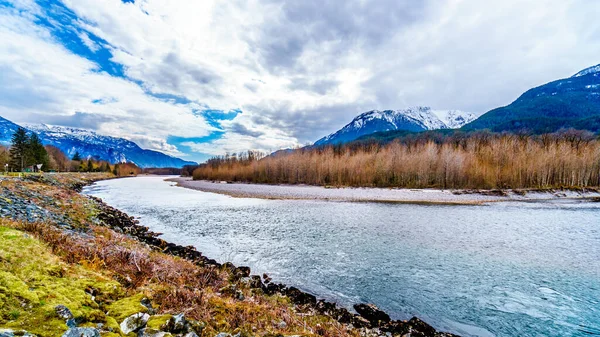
[72, 323]
[6, 333]
[371, 313]
[82, 332]
[243, 271]
[190, 334]
[223, 334]
[148, 304]
[256, 282]
[421, 326]
[239, 295]
[14, 333]
[63, 312]
[282, 325]
[134, 322]
[177, 324]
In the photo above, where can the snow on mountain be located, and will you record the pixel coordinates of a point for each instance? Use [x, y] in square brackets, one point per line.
[411, 119]
[454, 119]
[90, 144]
[587, 71]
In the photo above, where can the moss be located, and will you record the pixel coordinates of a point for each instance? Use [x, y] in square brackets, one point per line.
[110, 334]
[157, 322]
[126, 307]
[111, 324]
[33, 281]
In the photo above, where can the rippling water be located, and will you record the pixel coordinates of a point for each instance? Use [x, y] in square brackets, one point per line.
[505, 269]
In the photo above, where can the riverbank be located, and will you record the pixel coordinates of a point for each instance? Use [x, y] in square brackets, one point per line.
[71, 265]
[392, 195]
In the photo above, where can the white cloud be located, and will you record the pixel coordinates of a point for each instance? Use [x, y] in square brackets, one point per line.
[85, 38]
[297, 70]
[62, 86]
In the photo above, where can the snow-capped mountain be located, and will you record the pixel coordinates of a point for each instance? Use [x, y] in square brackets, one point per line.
[412, 119]
[90, 144]
[455, 119]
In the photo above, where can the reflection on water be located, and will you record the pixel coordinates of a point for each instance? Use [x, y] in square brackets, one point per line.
[504, 269]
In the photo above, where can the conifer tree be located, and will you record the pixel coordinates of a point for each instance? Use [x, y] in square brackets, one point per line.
[37, 151]
[76, 156]
[18, 150]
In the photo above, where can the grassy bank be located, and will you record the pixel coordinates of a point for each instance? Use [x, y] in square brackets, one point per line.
[59, 248]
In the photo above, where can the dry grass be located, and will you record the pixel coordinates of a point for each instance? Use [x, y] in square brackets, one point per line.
[176, 285]
[485, 161]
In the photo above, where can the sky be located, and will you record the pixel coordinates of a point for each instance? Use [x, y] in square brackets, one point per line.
[194, 79]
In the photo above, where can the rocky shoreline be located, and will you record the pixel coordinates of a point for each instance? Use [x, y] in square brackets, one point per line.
[32, 203]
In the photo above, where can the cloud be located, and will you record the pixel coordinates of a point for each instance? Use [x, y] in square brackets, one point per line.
[85, 38]
[296, 70]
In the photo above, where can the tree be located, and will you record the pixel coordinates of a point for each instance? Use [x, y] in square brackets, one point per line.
[18, 150]
[58, 160]
[76, 156]
[90, 166]
[4, 157]
[37, 153]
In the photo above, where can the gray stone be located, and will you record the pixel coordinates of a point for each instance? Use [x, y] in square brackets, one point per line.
[63, 312]
[134, 322]
[82, 332]
[223, 334]
[190, 334]
[177, 324]
[6, 333]
[282, 325]
[15, 333]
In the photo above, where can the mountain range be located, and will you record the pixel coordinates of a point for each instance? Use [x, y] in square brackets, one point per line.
[90, 144]
[413, 119]
[573, 102]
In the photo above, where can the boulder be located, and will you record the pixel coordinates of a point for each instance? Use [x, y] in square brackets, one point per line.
[82, 332]
[134, 322]
[372, 313]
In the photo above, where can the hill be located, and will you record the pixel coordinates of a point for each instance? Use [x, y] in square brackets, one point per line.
[572, 102]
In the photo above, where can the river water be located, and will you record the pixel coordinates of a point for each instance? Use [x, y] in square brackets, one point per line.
[503, 269]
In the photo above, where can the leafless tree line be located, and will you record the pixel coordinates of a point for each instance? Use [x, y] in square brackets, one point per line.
[482, 160]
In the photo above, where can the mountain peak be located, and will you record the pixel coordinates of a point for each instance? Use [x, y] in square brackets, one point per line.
[591, 70]
[417, 118]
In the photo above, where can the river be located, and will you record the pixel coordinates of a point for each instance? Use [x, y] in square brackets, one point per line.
[500, 269]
